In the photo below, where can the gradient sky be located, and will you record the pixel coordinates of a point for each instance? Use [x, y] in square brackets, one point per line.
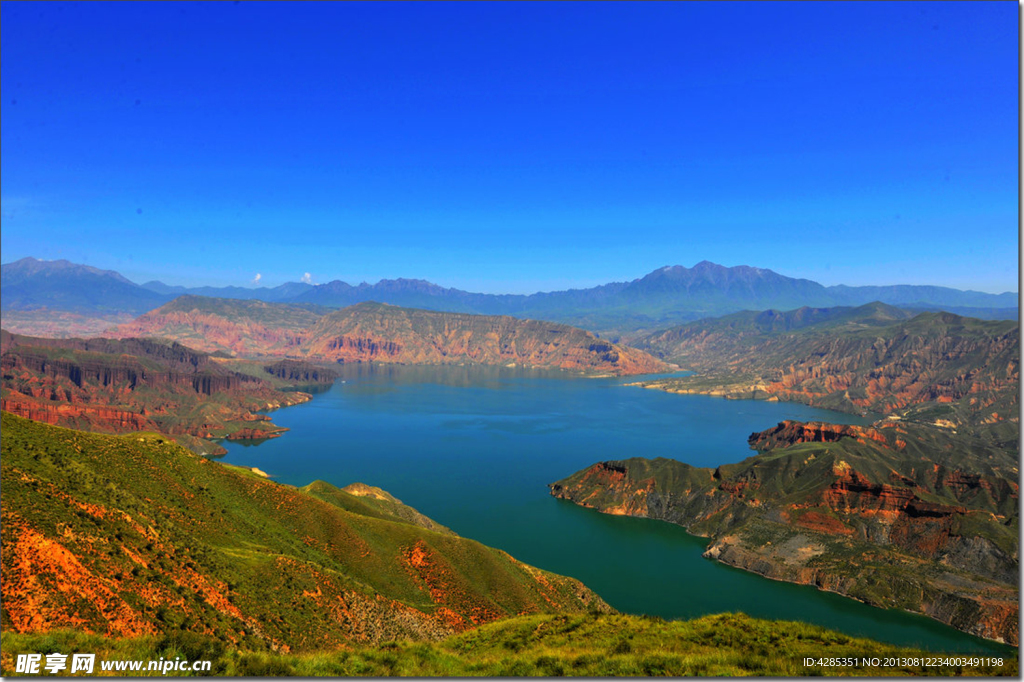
[513, 147]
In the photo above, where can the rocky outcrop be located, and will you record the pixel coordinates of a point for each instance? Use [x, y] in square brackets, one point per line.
[361, 349]
[103, 373]
[90, 417]
[792, 432]
[976, 607]
[238, 327]
[250, 433]
[373, 332]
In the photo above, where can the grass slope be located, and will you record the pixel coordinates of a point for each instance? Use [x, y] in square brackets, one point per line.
[590, 645]
[133, 535]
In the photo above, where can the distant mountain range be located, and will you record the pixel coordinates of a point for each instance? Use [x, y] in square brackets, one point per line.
[30, 284]
[667, 296]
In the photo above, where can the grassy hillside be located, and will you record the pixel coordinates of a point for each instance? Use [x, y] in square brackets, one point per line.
[133, 535]
[589, 645]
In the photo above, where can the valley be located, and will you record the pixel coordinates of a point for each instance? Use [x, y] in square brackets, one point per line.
[360, 339]
[911, 502]
[474, 448]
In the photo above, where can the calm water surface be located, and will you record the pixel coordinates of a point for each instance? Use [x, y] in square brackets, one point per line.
[474, 449]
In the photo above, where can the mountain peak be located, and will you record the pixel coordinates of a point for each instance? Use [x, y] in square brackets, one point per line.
[706, 265]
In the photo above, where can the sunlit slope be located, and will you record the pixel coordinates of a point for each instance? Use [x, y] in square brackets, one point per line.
[226, 325]
[384, 333]
[132, 535]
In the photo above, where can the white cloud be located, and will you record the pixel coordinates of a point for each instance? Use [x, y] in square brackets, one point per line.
[307, 278]
[257, 278]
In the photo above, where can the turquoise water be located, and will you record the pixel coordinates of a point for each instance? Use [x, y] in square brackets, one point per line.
[474, 449]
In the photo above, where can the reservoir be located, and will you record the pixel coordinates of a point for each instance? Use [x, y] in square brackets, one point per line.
[475, 448]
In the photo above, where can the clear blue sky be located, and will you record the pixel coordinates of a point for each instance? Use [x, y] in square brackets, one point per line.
[513, 147]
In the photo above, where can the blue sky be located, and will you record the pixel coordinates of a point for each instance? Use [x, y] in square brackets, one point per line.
[513, 147]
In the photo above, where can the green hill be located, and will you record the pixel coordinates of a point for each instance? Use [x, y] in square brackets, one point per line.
[134, 535]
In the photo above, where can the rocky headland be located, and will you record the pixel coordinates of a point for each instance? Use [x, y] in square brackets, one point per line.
[895, 515]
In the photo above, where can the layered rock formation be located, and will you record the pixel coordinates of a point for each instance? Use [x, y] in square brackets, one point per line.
[300, 373]
[243, 328]
[373, 332]
[382, 333]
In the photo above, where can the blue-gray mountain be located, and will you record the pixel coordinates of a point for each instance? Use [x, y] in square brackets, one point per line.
[669, 295]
